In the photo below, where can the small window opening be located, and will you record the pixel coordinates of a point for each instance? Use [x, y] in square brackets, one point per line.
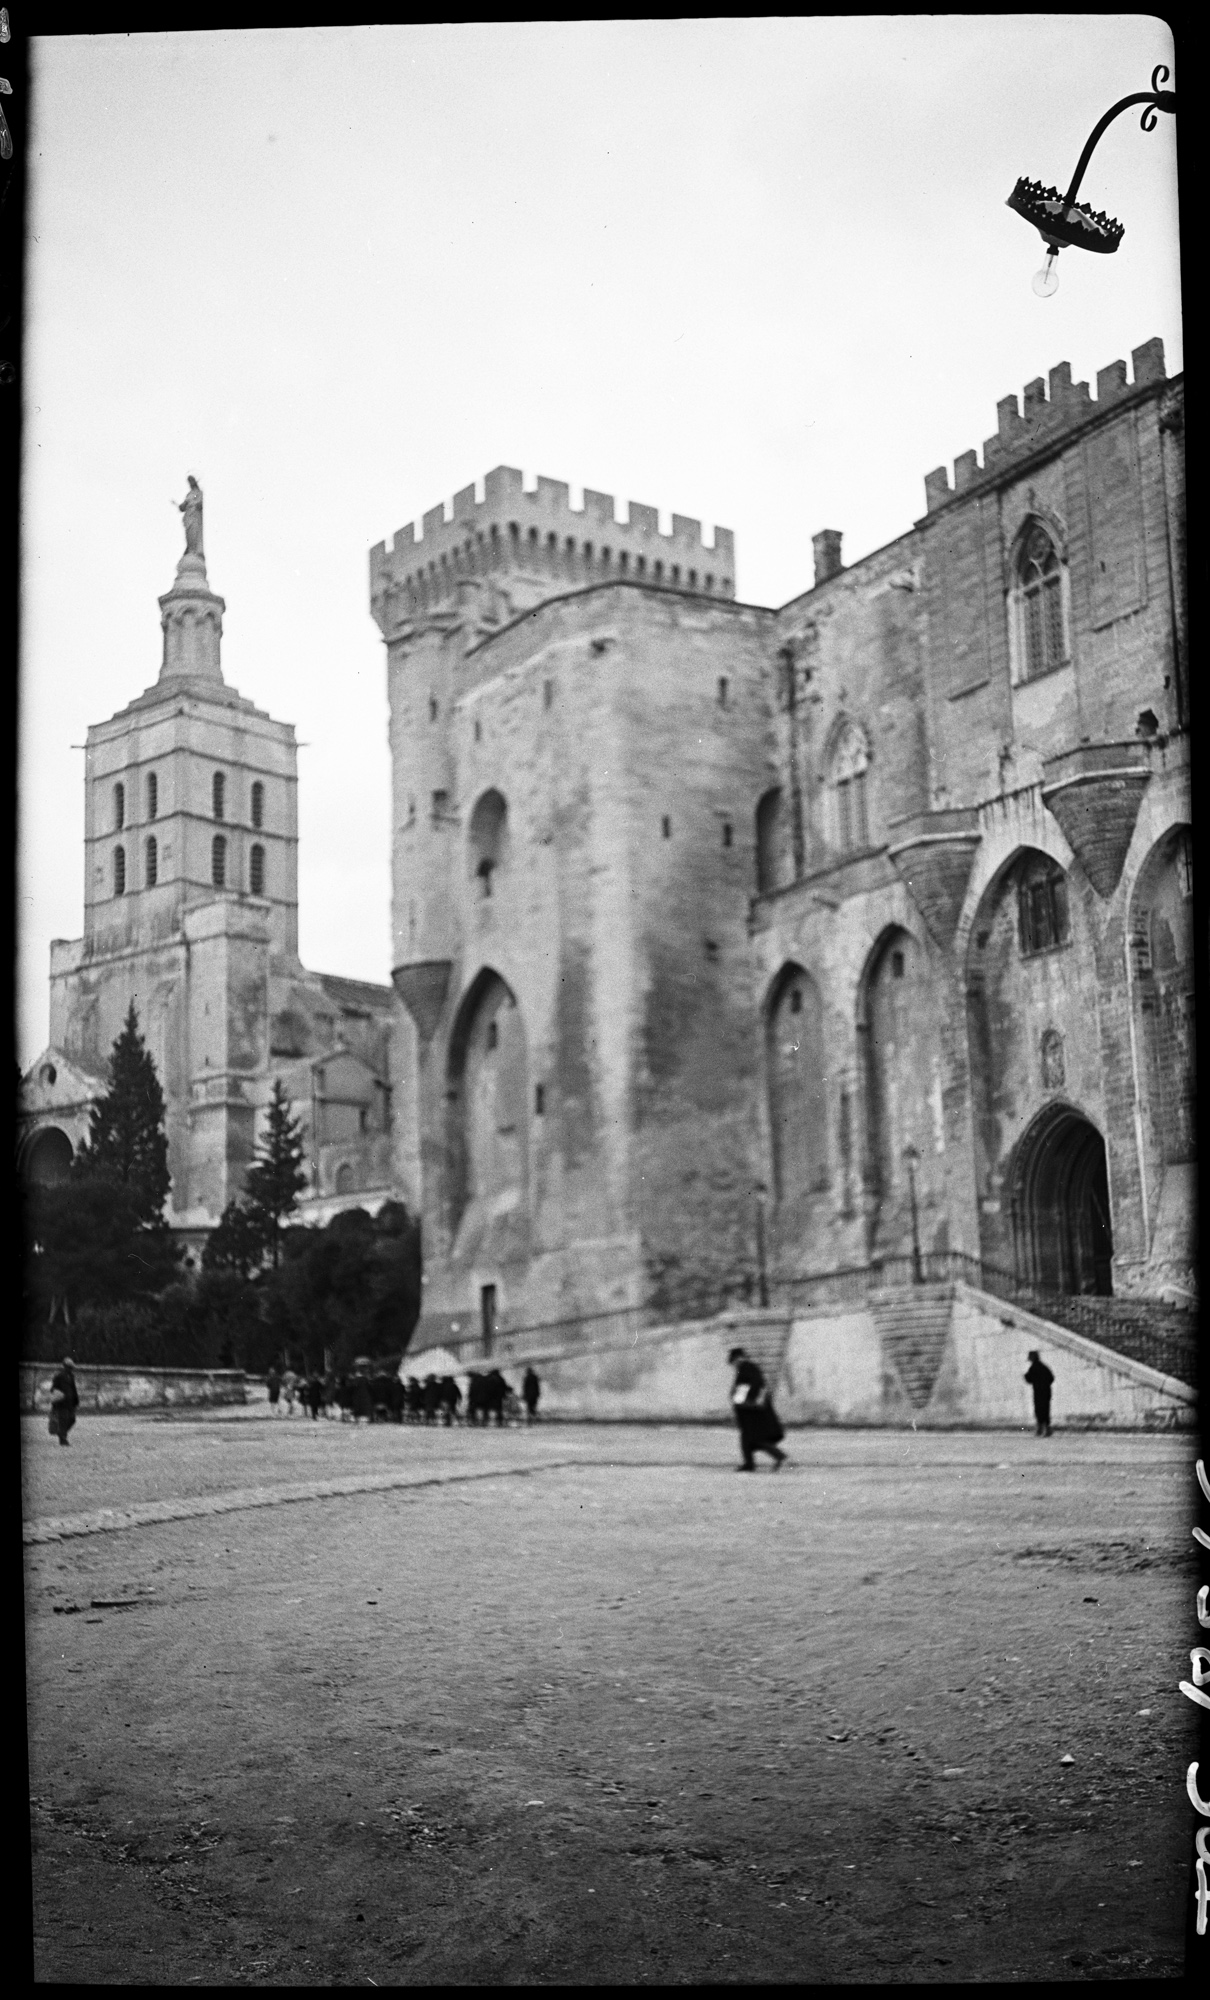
[514, 532]
[692, 579]
[709, 583]
[478, 730]
[218, 861]
[896, 965]
[657, 570]
[153, 796]
[256, 870]
[599, 645]
[1042, 909]
[796, 1000]
[440, 802]
[152, 862]
[640, 564]
[119, 807]
[533, 534]
[484, 872]
[218, 795]
[676, 572]
[623, 559]
[539, 1100]
[493, 1034]
[588, 552]
[666, 827]
[722, 691]
[119, 871]
[605, 556]
[711, 950]
[258, 804]
[727, 833]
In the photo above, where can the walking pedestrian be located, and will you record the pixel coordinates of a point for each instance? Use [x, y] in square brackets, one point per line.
[289, 1390]
[64, 1400]
[497, 1391]
[273, 1385]
[1039, 1377]
[531, 1389]
[760, 1427]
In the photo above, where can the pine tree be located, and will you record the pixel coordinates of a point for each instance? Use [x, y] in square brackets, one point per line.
[126, 1141]
[276, 1176]
[237, 1242]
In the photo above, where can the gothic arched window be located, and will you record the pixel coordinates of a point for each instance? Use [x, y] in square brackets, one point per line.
[153, 796]
[256, 870]
[119, 871]
[151, 870]
[847, 778]
[218, 861]
[1041, 611]
[218, 795]
[258, 804]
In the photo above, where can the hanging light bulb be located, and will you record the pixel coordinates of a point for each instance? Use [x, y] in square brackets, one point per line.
[1046, 281]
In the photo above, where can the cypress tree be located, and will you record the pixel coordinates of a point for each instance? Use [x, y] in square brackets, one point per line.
[126, 1141]
[276, 1177]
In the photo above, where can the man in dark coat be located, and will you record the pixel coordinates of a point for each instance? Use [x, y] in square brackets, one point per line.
[313, 1394]
[361, 1402]
[1039, 1377]
[397, 1399]
[531, 1389]
[431, 1399]
[451, 1396]
[476, 1406]
[273, 1385]
[496, 1389]
[64, 1399]
[759, 1426]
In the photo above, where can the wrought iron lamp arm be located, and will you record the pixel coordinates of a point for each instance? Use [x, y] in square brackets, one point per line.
[1155, 99]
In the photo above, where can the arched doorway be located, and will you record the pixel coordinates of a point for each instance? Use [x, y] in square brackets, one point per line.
[1062, 1235]
[48, 1157]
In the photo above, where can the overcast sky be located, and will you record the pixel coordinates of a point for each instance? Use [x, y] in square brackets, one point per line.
[756, 271]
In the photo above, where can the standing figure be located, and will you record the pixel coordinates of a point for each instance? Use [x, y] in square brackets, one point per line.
[64, 1400]
[191, 508]
[531, 1389]
[451, 1396]
[273, 1385]
[313, 1394]
[431, 1399]
[496, 1391]
[289, 1389]
[361, 1402]
[760, 1427]
[415, 1399]
[1039, 1377]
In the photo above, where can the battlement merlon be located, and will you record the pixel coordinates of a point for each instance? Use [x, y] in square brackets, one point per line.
[540, 532]
[1044, 419]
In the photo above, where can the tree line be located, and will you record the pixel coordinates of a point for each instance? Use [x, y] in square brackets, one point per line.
[105, 1276]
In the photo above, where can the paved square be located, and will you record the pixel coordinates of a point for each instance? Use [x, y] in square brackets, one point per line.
[577, 1704]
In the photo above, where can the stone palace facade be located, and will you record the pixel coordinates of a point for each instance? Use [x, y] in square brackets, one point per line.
[719, 932]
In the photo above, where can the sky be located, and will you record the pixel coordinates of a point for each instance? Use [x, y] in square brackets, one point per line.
[760, 272]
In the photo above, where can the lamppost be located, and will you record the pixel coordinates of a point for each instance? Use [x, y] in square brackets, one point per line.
[911, 1159]
[762, 1272]
[1059, 218]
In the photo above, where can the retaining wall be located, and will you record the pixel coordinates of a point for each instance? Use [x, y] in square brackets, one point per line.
[104, 1388]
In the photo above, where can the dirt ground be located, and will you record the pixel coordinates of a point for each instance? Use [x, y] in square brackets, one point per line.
[394, 1737]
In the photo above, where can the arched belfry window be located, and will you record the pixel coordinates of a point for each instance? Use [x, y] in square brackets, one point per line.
[1041, 606]
[256, 870]
[218, 861]
[848, 777]
[119, 871]
[218, 795]
[153, 796]
[258, 804]
[151, 869]
[488, 838]
[119, 807]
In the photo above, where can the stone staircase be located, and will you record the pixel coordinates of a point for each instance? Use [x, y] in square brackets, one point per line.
[913, 1324]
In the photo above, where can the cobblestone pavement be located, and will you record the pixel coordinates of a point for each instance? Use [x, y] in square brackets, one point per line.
[572, 1705]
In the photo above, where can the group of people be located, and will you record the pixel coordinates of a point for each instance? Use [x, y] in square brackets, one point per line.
[392, 1398]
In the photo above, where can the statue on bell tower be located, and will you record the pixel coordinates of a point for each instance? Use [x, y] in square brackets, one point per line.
[191, 508]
